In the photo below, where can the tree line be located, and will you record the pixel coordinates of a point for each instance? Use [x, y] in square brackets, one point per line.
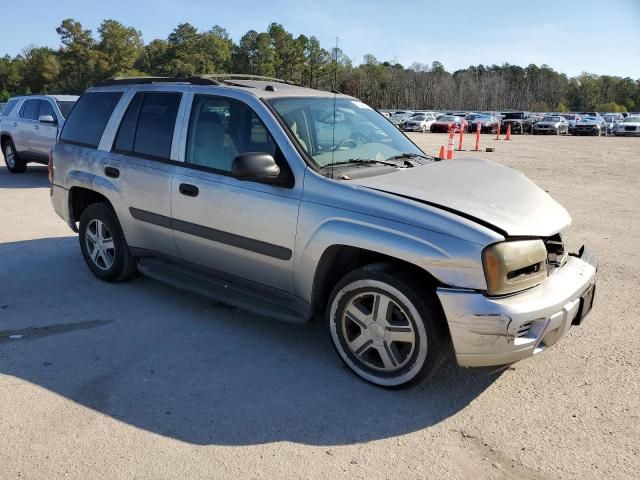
[84, 59]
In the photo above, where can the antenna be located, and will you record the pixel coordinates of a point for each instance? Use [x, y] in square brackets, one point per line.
[335, 80]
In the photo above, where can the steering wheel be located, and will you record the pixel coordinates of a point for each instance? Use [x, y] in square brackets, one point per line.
[347, 143]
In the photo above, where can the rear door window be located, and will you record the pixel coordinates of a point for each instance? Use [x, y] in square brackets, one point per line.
[29, 110]
[147, 127]
[89, 117]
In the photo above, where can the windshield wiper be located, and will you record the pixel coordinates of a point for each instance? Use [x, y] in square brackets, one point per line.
[402, 156]
[362, 161]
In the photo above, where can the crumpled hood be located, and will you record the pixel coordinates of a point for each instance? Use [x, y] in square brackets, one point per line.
[490, 193]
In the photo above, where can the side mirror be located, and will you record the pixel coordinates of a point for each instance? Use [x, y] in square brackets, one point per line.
[46, 119]
[256, 166]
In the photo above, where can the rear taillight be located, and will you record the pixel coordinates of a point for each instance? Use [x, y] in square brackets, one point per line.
[50, 167]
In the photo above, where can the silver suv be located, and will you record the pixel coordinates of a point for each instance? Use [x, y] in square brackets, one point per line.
[292, 202]
[29, 127]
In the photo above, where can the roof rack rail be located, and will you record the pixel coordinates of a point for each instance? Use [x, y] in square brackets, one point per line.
[242, 76]
[195, 80]
[204, 79]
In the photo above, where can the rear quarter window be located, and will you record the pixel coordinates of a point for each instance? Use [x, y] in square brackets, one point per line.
[89, 117]
[8, 107]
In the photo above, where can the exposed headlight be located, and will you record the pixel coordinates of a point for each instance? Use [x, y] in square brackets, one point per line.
[514, 266]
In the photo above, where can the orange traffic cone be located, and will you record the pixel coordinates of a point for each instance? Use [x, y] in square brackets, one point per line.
[461, 136]
[508, 137]
[441, 154]
[478, 130]
[450, 145]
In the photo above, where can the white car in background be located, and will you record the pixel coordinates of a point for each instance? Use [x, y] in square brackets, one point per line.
[629, 126]
[419, 122]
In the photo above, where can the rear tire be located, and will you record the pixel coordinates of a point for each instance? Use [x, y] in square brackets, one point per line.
[103, 245]
[384, 330]
[14, 163]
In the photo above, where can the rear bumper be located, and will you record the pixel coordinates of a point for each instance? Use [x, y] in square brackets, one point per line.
[60, 202]
[497, 331]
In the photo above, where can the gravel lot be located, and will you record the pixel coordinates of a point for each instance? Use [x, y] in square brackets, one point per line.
[140, 380]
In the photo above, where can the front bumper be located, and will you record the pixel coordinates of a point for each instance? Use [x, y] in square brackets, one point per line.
[501, 330]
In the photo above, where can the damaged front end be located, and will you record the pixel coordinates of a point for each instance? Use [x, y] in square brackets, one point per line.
[489, 330]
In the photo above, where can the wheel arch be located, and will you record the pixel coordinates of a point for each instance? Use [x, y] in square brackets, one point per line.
[4, 136]
[80, 198]
[338, 260]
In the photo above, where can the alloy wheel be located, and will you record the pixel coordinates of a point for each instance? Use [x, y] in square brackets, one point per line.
[100, 244]
[378, 331]
[10, 156]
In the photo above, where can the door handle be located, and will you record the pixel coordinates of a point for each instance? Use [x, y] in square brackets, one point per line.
[15, 124]
[111, 172]
[188, 190]
[37, 127]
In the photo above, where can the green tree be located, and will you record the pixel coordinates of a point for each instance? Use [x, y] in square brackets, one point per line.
[120, 48]
[154, 58]
[78, 57]
[41, 69]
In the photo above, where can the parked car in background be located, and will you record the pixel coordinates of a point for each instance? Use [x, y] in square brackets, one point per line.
[591, 125]
[520, 122]
[444, 123]
[408, 258]
[400, 116]
[571, 119]
[552, 124]
[630, 126]
[487, 123]
[612, 120]
[419, 122]
[29, 128]
[615, 116]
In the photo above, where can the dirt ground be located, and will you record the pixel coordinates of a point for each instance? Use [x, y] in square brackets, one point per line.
[140, 380]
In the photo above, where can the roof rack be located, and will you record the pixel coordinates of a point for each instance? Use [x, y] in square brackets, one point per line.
[242, 76]
[205, 79]
[194, 80]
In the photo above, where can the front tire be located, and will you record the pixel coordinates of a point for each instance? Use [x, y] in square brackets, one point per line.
[14, 163]
[385, 331]
[103, 245]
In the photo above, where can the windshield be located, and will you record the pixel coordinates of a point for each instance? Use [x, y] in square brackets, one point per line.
[418, 118]
[551, 119]
[569, 117]
[360, 132]
[513, 116]
[631, 120]
[448, 118]
[65, 108]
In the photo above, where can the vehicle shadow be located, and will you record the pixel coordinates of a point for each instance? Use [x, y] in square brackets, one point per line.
[36, 176]
[183, 367]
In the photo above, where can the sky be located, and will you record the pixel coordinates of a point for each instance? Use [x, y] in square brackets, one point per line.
[571, 36]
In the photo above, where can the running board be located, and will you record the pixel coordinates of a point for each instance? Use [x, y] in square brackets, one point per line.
[254, 298]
